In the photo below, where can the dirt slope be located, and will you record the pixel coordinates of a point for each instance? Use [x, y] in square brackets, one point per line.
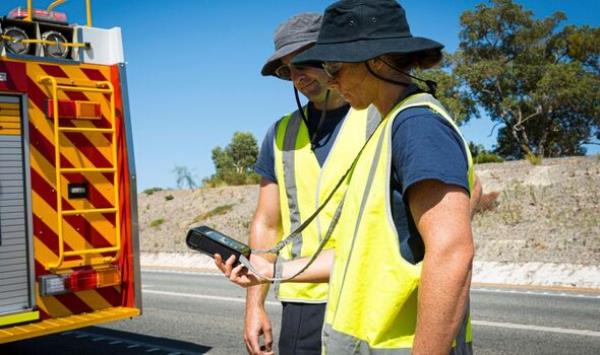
[548, 213]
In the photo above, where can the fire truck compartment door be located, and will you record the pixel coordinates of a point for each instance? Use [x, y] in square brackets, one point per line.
[16, 258]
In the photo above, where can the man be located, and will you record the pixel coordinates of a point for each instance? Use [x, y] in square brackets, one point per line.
[302, 158]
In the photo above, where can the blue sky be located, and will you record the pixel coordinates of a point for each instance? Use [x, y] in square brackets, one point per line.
[194, 68]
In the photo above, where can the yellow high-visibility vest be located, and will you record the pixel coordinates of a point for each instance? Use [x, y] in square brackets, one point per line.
[304, 185]
[372, 306]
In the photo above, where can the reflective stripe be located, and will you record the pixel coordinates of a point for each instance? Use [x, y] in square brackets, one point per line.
[337, 343]
[373, 119]
[289, 172]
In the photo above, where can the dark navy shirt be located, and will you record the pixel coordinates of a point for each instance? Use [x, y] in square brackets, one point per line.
[424, 146]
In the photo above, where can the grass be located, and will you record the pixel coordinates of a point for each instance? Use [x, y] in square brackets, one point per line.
[157, 222]
[214, 212]
[534, 159]
[537, 194]
[484, 158]
[511, 209]
[152, 190]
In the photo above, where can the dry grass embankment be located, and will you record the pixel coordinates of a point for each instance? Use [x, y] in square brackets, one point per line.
[548, 213]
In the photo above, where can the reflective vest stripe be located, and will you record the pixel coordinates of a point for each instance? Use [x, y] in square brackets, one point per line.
[373, 119]
[339, 343]
[289, 173]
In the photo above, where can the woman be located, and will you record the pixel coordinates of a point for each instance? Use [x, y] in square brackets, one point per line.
[400, 273]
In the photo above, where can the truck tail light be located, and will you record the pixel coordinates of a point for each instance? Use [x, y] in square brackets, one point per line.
[79, 280]
[75, 109]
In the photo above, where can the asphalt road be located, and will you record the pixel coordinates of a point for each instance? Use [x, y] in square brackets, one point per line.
[202, 313]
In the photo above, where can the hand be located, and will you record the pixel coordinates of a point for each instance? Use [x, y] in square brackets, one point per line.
[242, 276]
[257, 324]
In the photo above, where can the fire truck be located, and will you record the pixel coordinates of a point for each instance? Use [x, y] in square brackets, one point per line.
[69, 249]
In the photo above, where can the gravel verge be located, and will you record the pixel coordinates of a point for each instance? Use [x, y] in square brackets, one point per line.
[525, 274]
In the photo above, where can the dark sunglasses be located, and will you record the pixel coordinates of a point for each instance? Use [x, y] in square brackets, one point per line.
[284, 71]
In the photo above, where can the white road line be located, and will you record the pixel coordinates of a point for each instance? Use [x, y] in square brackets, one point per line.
[474, 289]
[537, 328]
[475, 322]
[204, 297]
[195, 273]
[535, 293]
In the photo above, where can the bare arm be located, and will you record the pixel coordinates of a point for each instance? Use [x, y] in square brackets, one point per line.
[318, 271]
[442, 216]
[264, 234]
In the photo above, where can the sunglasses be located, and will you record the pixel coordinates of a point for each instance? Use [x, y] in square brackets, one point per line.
[284, 71]
[332, 69]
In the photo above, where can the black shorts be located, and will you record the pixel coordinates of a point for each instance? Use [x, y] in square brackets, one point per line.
[301, 325]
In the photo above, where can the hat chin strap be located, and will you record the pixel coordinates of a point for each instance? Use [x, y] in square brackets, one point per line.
[313, 138]
[431, 85]
[300, 106]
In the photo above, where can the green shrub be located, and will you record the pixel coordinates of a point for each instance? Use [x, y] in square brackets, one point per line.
[152, 190]
[481, 155]
[231, 179]
[169, 197]
[487, 157]
[157, 222]
[213, 181]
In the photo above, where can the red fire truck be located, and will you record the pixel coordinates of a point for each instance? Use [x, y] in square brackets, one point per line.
[69, 252]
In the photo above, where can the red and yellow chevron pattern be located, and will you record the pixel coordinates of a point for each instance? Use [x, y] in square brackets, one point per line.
[78, 149]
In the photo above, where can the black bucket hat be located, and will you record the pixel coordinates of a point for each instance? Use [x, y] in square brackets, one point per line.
[296, 33]
[358, 30]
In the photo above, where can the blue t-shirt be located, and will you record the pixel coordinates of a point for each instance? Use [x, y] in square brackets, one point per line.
[424, 146]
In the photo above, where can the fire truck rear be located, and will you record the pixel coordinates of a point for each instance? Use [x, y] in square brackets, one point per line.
[68, 219]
